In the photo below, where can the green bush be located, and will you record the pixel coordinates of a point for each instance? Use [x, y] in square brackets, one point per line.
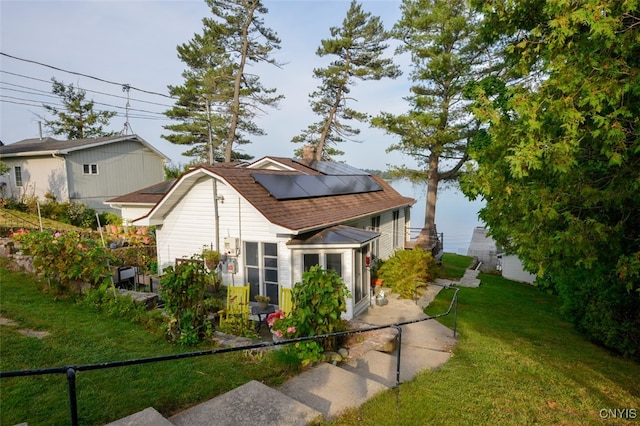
[318, 303]
[600, 305]
[184, 292]
[407, 270]
[65, 257]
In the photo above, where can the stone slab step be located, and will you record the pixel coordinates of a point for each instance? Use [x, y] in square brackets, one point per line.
[147, 417]
[330, 389]
[250, 404]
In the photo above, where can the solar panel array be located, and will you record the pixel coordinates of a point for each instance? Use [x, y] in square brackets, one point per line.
[333, 168]
[290, 187]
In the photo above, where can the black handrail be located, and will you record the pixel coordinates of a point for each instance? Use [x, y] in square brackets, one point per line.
[70, 371]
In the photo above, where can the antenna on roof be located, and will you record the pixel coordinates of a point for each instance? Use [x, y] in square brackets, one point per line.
[127, 127]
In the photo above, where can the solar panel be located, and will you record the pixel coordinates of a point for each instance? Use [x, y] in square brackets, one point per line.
[290, 187]
[333, 168]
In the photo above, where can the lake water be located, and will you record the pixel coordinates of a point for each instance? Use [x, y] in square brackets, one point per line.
[456, 216]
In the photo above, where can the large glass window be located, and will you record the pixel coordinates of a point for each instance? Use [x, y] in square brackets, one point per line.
[309, 260]
[270, 259]
[252, 263]
[334, 261]
[261, 262]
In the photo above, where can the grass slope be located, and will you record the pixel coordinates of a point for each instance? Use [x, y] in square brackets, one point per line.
[80, 335]
[516, 363]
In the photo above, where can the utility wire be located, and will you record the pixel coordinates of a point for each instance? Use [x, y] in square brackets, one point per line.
[94, 102]
[86, 90]
[84, 75]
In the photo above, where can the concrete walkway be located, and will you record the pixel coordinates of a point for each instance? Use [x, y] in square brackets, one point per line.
[324, 391]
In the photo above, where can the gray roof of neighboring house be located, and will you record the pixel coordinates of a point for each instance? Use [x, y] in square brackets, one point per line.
[48, 146]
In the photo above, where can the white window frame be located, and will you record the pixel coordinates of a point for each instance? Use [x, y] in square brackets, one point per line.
[90, 169]
[17, 174]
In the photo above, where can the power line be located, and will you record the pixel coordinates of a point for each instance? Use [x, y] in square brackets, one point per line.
[92, 101]
[29, 102]
[86, 90]
[85, 75]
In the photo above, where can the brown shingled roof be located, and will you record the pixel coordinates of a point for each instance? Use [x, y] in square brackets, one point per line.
[309, 213]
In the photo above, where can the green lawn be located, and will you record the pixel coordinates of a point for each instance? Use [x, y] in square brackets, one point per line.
[80, 335]
[516, 363]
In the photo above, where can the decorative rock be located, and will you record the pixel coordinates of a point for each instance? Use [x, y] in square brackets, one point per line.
[344, 352]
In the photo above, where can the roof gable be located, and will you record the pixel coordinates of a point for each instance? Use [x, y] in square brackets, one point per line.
[48, 146]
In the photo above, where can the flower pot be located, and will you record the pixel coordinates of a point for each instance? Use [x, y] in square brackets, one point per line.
[263, 306]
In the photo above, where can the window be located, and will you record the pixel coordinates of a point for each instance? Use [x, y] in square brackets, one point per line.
[398, 238]
[375, 245]
[17, 171]
[325, 260]
[261, 261]
[90, 169]
[309, 260]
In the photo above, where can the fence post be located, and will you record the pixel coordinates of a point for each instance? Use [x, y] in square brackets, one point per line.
[73, 401]
[398, 356]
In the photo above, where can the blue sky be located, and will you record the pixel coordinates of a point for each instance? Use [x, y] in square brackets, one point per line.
[134, 42]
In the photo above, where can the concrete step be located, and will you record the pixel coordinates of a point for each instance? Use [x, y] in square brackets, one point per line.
[147, 417]
[250, 404]
[330, 389]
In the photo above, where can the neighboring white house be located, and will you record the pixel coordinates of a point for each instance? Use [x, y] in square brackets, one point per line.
[276, 217]
[89, 171]
[512, 269]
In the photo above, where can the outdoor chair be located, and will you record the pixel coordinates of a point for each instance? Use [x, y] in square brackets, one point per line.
[237, 306]
[286, 302]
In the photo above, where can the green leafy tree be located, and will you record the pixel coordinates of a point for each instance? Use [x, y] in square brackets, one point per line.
[559, 165]
[77, 119]
[358, 46]
[443, 41]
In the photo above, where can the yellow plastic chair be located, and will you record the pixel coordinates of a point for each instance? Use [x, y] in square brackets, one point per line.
[237, 304]
[286, 302]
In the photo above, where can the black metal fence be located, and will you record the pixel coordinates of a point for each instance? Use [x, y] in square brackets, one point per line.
[70, 371]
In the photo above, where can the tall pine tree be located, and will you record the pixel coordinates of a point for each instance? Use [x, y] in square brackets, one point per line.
[358, 46]
[442, 38]
[219, 99]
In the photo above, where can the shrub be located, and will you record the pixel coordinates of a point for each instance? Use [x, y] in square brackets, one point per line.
[407, 270]
[184, 291]
[318, 303]
[66, 257]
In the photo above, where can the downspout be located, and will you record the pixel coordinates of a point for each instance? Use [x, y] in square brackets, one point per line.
[215, 213]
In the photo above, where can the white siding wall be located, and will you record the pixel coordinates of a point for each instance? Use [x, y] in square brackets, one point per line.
[188, 227]
[40, 176]
[191, 225]
[130, 213]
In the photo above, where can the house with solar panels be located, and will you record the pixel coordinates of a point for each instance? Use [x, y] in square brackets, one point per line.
[274, 218]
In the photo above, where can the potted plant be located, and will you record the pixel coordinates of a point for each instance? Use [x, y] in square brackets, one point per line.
[374, 267]
[211, 258]
[263, 301]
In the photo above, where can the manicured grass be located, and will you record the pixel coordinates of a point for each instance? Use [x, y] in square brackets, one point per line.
[81, 335]
[516, 363]
[453, 266]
